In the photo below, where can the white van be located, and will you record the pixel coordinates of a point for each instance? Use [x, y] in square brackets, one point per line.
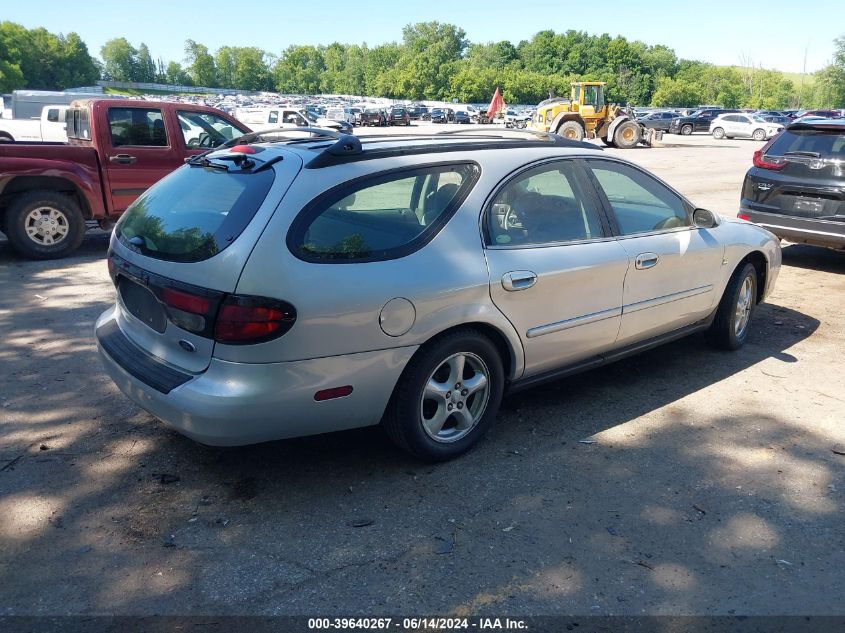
[269, 118]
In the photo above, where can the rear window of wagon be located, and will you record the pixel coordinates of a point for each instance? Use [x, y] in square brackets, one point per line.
[194, 213]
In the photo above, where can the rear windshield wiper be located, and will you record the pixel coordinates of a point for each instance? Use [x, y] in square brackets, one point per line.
[202, 161]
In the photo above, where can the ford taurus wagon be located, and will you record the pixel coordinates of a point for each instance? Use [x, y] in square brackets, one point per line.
[284, 286]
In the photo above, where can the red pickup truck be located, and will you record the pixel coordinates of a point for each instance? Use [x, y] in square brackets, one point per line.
[116, 149]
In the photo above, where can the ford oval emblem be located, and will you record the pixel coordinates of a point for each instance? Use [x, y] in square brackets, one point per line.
[187, 345]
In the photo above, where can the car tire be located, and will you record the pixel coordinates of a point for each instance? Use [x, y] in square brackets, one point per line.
[736, 310]
[432, 414]
[686, 130]
[44, 225]
[627, 135]
[718, 133]
[759, 135]
[571, 130]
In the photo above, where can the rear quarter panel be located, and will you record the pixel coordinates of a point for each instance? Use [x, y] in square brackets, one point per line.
[78, 165]
[338, 305]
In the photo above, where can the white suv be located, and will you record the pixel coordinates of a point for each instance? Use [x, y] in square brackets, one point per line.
[743, 125]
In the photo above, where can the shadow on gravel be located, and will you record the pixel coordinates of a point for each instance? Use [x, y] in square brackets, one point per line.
[118, 514]
[814, 258]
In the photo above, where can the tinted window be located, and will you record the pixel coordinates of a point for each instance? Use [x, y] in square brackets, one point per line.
[194, 213]
[203, 129]
[378, 218]
[137, 126]
[53, 115]
[639, 202]
[78, 125]
[825, 143]
[543, 205]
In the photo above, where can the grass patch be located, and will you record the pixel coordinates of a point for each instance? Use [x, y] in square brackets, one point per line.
[134, 92]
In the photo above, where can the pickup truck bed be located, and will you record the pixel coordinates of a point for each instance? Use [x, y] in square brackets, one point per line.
[117, 149]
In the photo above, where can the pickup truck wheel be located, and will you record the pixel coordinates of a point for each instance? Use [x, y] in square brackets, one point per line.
[44, 225]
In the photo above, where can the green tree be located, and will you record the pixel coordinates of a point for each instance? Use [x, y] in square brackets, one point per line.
[299, 70]
[146, 68]
[200, 64]
[176, 75]
[120, 60]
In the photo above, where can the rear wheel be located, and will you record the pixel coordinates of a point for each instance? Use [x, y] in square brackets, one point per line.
[447, 397]
[44, 225]
[686, 130]
[718, 133]
[571, 130]
[736, 309]
[759, 135]
[627, 135]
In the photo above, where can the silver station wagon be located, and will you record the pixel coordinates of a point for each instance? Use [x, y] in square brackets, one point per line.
[287, 286]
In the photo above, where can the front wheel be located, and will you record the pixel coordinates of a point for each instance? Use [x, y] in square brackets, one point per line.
[627, 135]
[759, 135]
[736, 309]
[686, 130]
[447, 397]
[719, 133]
[44, 225]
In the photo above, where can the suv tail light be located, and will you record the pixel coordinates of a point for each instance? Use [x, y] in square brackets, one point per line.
[762, 161]
[243, 320]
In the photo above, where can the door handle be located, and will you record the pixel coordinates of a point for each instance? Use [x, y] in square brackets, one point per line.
[123, 159]
[518, 280]
[646, 260]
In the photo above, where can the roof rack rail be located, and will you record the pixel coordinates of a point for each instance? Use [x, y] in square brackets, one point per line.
[555, 139]
[346, 143]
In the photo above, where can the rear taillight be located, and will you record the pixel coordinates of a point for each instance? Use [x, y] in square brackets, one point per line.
[742, 216]
[189, 311]
[763, 161]
[242, 320]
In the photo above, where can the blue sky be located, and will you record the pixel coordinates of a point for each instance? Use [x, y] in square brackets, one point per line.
[774, 34]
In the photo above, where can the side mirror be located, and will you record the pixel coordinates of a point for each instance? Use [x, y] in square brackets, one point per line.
[705, 219]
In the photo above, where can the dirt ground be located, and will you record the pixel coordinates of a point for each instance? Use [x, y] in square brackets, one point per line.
[714, 484]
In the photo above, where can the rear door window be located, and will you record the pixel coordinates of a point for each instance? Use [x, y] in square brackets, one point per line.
[382, 217]
[137, 126]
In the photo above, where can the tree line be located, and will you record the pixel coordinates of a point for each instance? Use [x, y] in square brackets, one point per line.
[433, 60]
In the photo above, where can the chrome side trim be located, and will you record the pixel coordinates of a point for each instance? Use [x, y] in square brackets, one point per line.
[675, 296]
[559, 326]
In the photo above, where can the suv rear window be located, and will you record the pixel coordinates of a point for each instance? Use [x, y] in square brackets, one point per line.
[194, 213]
[825, 143]
[383, 217]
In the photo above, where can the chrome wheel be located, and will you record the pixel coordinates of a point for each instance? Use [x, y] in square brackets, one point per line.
[455, 397]
[46, 226]
[744, 303]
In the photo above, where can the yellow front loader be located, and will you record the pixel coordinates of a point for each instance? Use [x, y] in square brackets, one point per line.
[586, 115]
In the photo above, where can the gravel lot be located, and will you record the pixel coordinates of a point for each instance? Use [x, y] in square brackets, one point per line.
[714, 486]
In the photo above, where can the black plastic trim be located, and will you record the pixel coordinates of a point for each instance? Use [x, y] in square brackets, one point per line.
[135, 361]
[611, 356]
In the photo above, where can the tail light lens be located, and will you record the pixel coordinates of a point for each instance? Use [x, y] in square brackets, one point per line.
[245, 320]
[743, 216]
[763, 161]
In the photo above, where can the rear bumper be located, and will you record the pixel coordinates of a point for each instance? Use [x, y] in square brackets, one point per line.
[800, 230]
[233, 404]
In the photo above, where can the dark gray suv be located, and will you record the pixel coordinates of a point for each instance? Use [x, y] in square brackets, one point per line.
[796, 188]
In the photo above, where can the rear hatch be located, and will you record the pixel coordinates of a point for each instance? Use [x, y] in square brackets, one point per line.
[800, 173]
[178, 251]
